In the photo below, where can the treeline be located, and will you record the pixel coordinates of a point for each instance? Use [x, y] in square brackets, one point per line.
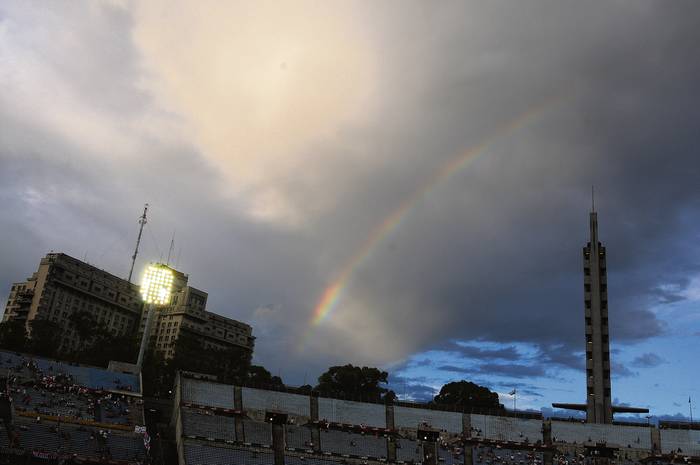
[231, 366]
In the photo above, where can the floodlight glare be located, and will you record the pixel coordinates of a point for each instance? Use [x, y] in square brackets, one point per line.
[157, 284]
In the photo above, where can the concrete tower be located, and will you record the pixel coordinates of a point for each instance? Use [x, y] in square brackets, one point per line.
[598, 406]
[598, 402]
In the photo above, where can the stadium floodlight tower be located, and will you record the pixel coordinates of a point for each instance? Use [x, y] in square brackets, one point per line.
[156, 288]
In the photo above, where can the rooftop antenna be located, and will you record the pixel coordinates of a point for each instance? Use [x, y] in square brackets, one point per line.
[142, 222]
[593, 199]
[172, 246]
[177, 260]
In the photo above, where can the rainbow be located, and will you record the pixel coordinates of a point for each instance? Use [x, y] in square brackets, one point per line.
[334, 292]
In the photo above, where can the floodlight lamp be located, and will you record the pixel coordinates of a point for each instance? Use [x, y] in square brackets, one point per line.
[157, 284]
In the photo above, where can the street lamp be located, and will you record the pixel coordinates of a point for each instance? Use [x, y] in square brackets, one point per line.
[156, 287]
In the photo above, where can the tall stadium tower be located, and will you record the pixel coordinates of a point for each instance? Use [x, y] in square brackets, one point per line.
[598, 406]
[598, 401]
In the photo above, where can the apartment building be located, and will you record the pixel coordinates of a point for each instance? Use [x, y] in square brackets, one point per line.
[63, 285]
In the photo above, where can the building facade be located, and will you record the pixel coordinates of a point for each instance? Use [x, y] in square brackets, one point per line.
[63, 285]
[187, 312]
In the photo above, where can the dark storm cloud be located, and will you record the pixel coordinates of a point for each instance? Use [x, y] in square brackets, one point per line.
[518, 276]
[491, 254]
[474, 352]
[413, 388]
[560, 355]
[647, 360]
[512, 370]
[620, 370]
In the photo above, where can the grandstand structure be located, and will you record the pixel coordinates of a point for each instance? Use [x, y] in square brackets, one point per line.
[64, 411]
[224, 424]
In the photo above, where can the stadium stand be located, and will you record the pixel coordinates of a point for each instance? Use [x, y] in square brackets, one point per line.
[298, 437]
[490, 455]
[261, 400]
[57, 393]
[257, 432]
[352, 413]
[207, 393]
[89, 377]
[308, 460]
[356, 433]
[204, 424]
[407, 417]
[351, 444]
[408, 450]
[66, 439]
[635, 437]
[675, 440]
[506, 428]
[200, 454]
[64, 410]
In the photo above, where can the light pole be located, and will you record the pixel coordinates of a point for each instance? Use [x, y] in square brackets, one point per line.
[156, 288]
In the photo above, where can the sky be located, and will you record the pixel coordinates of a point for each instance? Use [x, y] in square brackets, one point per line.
[396, 184]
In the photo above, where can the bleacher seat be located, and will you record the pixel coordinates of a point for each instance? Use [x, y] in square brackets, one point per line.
[207, 393]
[408, 450]
[298, 437]
[340, 442]
[203, 424]
[200, 454]
[257, 432]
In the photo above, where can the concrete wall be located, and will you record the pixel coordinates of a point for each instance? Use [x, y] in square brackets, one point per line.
[354, 413]
[673, 439]
[637, 437]
[406, 417]
[258, 399]
[207, 393]
[506, 428]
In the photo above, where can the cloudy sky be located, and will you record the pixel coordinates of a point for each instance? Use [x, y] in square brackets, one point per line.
[401, 184]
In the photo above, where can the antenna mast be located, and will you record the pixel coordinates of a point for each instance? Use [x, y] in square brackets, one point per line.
[142, 222]
[172, 246]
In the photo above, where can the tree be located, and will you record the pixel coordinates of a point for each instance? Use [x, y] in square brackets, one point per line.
[467, 396]
[44, 337]
[230, 365]
[97, 344]
[304, 390]
[85, 325]
[157, 376]
[13, 335]
[351, 382]
[390, 397]
[261, 378]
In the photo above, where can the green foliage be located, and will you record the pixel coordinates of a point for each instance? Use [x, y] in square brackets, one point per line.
[467, 396]
[45, 337]
[390, 397]
[304, 390]
[157, 376]
[13, 335]
[261, 378]
[351, 382]
[98, 345]
[231, 366]
[85, 325]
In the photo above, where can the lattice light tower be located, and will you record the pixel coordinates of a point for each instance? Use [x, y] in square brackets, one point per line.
[156, 289]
